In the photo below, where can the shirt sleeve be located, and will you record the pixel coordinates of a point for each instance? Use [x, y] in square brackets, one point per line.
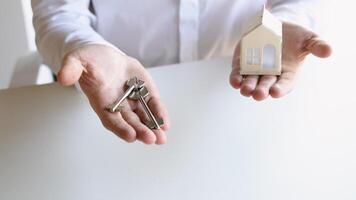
[305, 13]
[62, 26]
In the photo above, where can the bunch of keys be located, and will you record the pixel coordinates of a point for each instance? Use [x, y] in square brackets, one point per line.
[137, 91]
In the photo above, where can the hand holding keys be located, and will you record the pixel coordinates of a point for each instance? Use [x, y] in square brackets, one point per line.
[137, 91]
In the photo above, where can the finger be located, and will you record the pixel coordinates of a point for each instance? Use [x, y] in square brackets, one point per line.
[284, 85]
[144, 134]
[160, 134]
[116, 124]
[262, 90]
[70, 71]
[319, 48]
[160, 112]
[156, 105]
[248, 85]
[235, 76]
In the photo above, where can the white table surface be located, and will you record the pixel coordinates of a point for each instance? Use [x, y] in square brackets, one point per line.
[221, 145]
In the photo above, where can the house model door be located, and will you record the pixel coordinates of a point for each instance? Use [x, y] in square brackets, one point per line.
[269, 57]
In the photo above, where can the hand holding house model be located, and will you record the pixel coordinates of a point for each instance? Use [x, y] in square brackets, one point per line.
[261, 47]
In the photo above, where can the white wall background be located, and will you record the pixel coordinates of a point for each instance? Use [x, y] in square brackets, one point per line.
[337, 76]
[16, 35]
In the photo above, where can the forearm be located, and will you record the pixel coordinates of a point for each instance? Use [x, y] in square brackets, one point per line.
[62, 26]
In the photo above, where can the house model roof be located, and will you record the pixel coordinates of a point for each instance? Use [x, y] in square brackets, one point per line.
[266, 19]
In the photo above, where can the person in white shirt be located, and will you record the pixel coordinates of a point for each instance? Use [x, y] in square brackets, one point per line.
[103, 43]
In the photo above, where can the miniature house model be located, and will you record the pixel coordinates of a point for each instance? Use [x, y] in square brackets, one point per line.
[261, 47]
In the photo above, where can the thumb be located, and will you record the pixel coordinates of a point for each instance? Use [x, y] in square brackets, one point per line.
[70, 71]
[319, 48]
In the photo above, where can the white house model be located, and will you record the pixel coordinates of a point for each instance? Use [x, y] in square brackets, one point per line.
[261, 47]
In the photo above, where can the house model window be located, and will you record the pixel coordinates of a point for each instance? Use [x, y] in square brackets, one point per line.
[253, 56]
[261, 46]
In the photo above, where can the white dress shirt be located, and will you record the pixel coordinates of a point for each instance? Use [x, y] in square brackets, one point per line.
[155, 32]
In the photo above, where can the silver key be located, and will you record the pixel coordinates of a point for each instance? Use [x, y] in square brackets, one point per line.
[153, 123]
[133, 84]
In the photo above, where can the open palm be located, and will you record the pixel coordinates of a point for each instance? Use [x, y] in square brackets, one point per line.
[298, 42]
[102, 73]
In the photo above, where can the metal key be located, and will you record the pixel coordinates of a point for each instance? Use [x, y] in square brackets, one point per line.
[140, 95]
[133, 84]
